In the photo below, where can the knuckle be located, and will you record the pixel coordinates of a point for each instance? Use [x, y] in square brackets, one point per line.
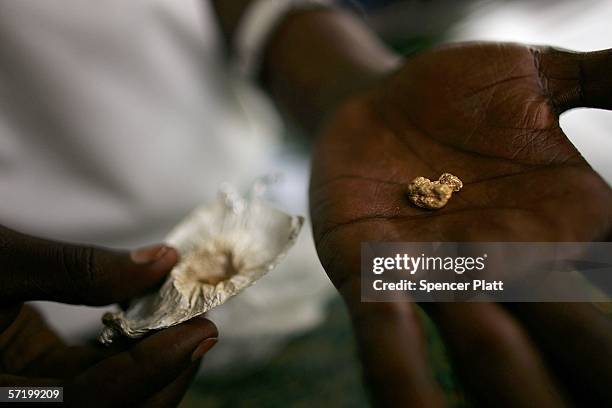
[84, 272]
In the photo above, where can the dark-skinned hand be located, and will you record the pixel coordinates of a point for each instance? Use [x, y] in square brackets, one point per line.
[488, 113]
[154, 371]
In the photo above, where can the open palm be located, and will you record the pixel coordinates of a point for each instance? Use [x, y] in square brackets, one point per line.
[488, 113]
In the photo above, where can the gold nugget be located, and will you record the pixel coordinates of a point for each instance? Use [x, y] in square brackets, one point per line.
[433, 195]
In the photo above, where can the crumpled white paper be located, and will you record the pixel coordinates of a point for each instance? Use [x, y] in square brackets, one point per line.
[225, 247]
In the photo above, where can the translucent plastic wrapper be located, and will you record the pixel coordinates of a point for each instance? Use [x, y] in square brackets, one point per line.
[225, 247]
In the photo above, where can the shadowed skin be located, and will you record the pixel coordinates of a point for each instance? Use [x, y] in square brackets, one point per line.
[154, 371]
[489, 114]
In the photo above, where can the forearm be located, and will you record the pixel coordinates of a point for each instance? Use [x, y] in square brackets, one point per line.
[315, 59]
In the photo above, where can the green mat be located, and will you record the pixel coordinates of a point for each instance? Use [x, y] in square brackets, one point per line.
[318, 369]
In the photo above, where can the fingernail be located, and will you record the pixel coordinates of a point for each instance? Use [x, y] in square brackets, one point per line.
[203, 348]
[149, 254]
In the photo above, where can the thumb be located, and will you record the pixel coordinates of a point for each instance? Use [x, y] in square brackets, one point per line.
[576, 79]
[153, 365]
[38, 269]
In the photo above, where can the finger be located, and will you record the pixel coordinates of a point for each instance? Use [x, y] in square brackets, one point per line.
[394, 354]
[8, 315]
[173, 393]
[389, 336]
[496, 361]
[25, 340]
[576, 338]
[29, 347]
[576, 79]
[38, 269]
[136, 375]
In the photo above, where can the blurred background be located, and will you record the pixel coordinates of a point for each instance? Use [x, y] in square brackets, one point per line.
[117, 118]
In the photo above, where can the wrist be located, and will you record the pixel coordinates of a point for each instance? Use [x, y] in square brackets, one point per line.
[311, 74]
[257, 23]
